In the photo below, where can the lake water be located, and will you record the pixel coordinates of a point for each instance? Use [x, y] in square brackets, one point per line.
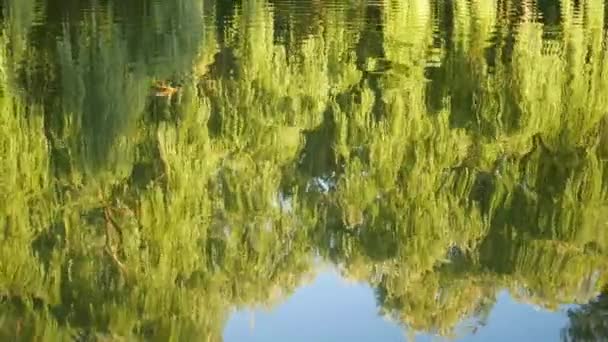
[256, 170]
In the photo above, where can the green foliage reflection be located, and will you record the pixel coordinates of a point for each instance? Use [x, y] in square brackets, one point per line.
[440, 160]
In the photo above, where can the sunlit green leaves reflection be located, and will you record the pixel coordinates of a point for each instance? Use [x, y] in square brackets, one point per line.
[439, 151]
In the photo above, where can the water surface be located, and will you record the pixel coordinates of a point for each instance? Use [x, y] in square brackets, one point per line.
[261, 170]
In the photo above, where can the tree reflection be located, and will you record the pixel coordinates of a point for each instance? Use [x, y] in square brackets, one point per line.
[588, 323]
[440, 151]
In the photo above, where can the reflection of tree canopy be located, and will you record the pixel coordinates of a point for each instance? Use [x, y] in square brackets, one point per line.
[439, 160]
[589, 322]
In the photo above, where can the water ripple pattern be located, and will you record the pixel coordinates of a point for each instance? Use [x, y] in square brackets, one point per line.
[165, 163]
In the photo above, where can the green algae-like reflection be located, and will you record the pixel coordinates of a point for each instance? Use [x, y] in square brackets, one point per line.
[438, 151]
